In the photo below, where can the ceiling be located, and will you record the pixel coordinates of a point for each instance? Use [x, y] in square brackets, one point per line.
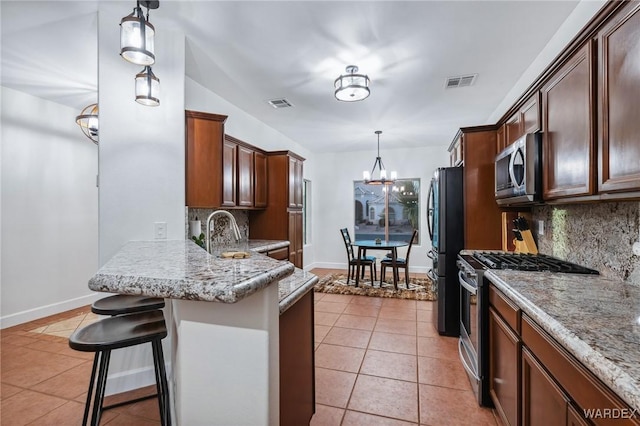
[250, 52]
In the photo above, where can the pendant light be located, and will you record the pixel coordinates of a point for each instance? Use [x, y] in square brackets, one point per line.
[88, 122]
[137, 35]
[147, 88]
[351, 87]
[382, 179]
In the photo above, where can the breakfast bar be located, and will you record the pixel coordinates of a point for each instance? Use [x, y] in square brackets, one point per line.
[225, 355]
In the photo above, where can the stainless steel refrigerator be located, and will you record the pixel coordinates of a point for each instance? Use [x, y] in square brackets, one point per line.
[445, 221]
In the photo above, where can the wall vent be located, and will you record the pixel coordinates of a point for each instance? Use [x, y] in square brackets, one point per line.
[280, 103]
[460, 81]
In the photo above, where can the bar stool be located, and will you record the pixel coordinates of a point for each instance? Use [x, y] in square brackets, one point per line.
[121, 304]
[118, 332]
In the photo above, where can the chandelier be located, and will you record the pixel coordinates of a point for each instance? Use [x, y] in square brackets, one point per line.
[147, 88]
[88, 122]
[351, 87]
[382, 179]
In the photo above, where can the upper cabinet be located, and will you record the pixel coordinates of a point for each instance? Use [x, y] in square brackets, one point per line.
[525, 120]
[204, 145]
[568, 128]
[456, 152]
[295, 182]
[221, 171]
[618, 107]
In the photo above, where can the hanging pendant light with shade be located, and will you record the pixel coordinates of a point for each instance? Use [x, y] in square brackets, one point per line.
[382, 179]
[147, 88]
[137, 35]
[351, 87]
[88, 122]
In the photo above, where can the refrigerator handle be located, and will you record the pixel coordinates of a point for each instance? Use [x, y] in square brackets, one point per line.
[430, 211]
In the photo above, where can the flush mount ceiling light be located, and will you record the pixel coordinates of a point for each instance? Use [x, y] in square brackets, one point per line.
[351, 87]
[137, 35]
[88, 122]
[382, 172]
[147, 88]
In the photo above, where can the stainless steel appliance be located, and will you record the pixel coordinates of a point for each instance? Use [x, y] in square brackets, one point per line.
[473, 346]
[518, 171]
[446, 230]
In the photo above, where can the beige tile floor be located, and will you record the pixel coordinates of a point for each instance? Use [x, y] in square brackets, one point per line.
[378, 362]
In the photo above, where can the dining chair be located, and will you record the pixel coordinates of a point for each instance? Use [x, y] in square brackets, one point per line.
[353, 261]
[401, 263]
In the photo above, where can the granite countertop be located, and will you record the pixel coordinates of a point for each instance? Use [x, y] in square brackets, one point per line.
[179, 269]
[595, 318]
[262, 246]
[292, 288]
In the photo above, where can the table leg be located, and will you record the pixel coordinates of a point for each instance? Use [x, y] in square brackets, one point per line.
[394, 256]
[358, 265]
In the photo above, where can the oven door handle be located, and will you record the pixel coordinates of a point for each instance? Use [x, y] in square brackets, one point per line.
[464, 361]
[471, 289]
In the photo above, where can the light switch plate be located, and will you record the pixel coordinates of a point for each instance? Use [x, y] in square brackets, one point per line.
[541, 227]
[160, 230]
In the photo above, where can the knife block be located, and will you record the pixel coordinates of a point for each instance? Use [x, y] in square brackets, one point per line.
[527, 245]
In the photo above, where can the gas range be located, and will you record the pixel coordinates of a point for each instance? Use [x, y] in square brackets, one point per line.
[525, 262]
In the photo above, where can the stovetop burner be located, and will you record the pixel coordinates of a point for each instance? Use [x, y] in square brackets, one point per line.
[529, 262]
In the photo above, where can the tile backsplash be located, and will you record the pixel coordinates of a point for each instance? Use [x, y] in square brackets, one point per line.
[220, 234]
[599, 236]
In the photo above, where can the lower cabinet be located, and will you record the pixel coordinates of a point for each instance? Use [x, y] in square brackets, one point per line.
[504, 387]
[297, 374]
[543, 402]
[536, 381]
[279, 254]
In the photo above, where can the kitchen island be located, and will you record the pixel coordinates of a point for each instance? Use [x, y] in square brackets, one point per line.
[225, 355]
[589, 318]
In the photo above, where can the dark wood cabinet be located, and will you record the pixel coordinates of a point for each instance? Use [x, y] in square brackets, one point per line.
[246, 176]
[455, 152]
[513, 128]
[279, 254]
[501, 140]
[619, 110]
[204, 139]
[295, 183]
[297, 373]
[568, 128]
[482, 217]
[530, 115]
[229, 173]
[260, 180]
[296, 248]
[504, 359]
[543, 402]
[280, 220]
[536, 381]
[220, 170]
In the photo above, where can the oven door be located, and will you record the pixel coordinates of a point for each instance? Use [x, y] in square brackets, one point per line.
[468, 343]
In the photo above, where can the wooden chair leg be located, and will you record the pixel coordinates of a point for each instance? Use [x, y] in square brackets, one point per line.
[406, 276]
[382, 271]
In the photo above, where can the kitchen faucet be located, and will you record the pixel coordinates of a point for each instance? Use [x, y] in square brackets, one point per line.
[232, 224]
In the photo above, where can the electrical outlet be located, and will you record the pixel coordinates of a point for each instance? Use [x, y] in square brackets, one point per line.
[541, 227]
[160, 230]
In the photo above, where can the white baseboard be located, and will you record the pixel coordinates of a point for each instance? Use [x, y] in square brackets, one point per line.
[134, 379]
[47, 310]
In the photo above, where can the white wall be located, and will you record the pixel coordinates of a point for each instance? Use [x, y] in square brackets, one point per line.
[49, 209]
[141, 148]
[245, 127]
[334, 203]
[141, 162]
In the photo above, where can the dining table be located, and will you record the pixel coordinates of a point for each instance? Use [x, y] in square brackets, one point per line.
[391, 246]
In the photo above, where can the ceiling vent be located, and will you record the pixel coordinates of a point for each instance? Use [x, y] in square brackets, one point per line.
[280, 103]
[460, 81]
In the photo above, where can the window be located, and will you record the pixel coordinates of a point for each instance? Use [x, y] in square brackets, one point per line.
[306, 212]
[370, 211]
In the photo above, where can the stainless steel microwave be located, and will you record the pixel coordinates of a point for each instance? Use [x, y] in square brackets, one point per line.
[518, 171]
